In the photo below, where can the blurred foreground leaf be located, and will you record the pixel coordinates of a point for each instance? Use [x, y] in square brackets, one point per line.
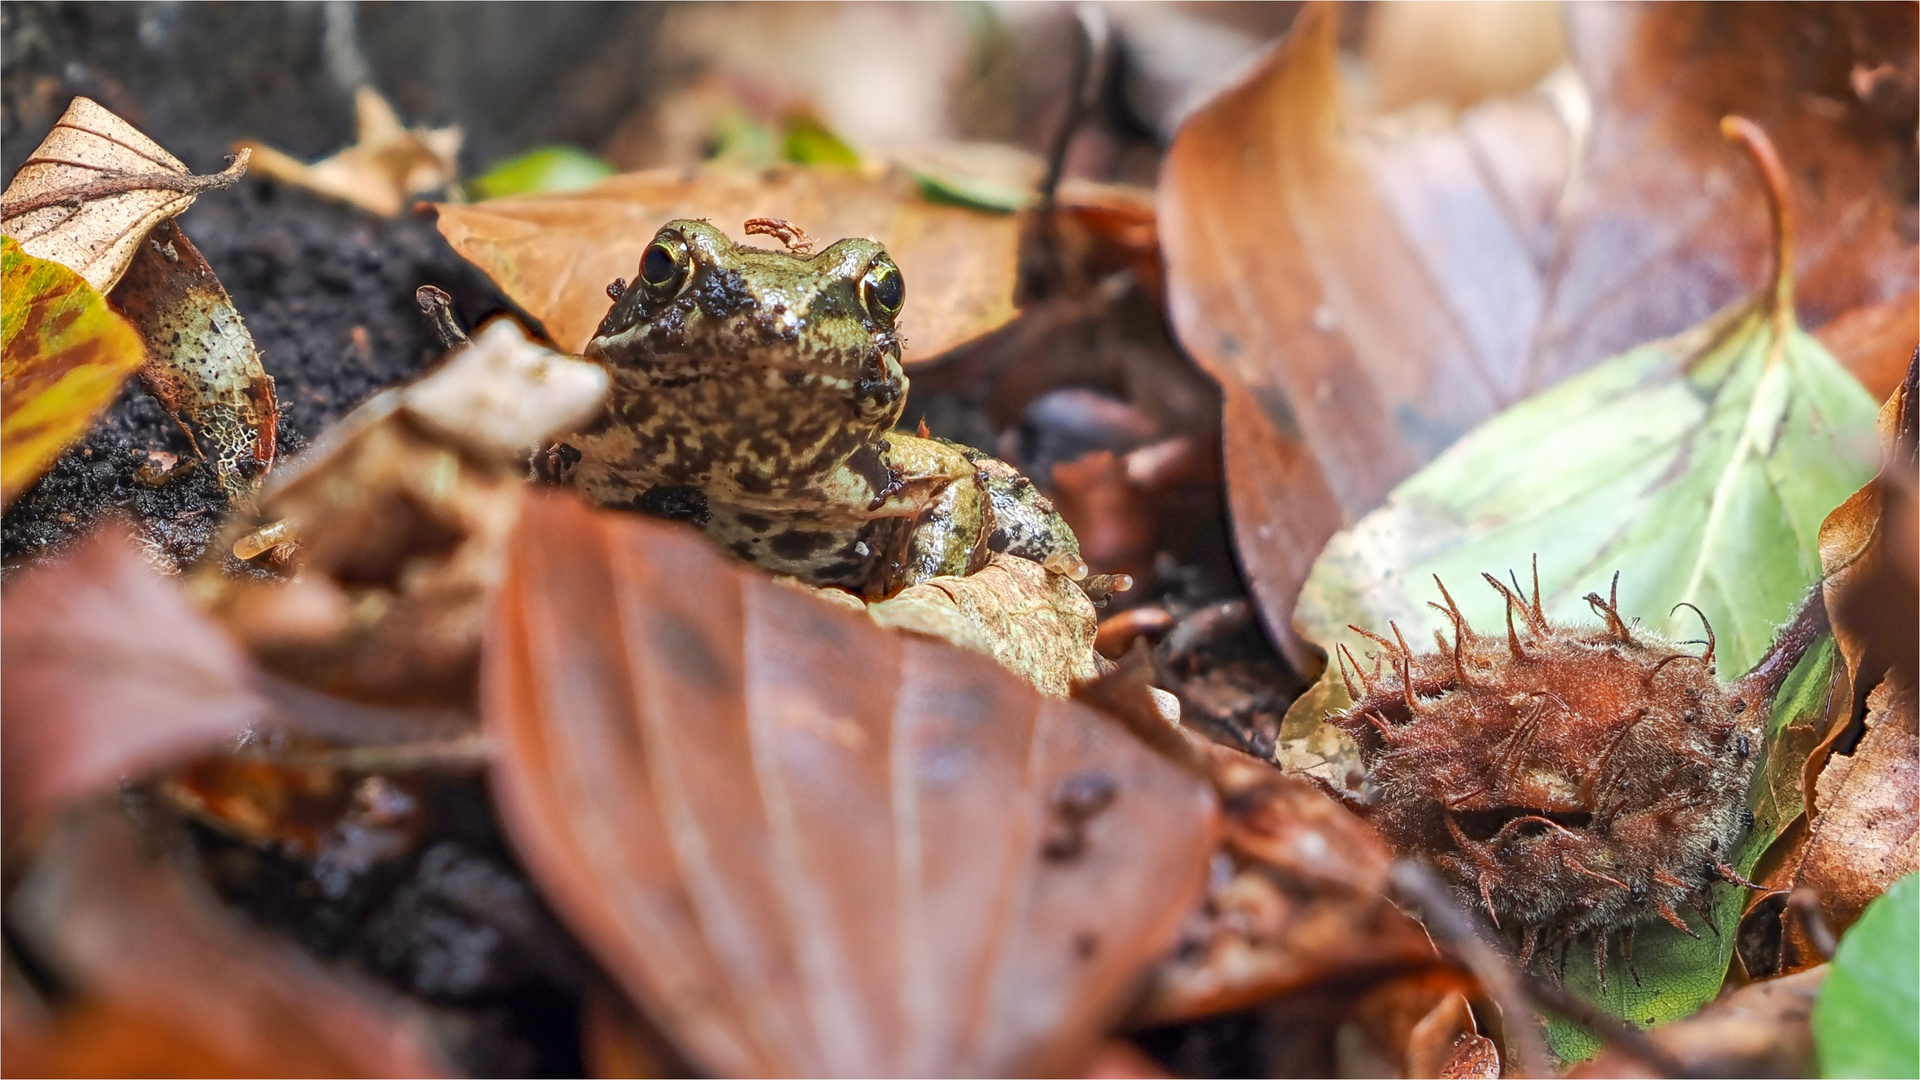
[549, 168]
[804, 845]
[1866, 1021]
[63, 356]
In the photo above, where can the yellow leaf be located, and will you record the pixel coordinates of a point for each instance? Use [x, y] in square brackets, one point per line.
[63, 355]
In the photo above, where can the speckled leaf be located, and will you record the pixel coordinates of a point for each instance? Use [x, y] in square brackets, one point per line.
[63, 356]
[1864, 1020]
[805, 845]
[201, 365]
[555, 254]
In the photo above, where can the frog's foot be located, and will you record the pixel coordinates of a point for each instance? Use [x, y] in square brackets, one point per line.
[1037, 624]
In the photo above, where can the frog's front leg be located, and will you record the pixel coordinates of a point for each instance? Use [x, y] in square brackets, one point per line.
[1024, 520]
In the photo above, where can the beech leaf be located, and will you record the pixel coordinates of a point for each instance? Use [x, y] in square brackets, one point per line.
[804, 845]
[555, 254]
[63, 355]
[1367, 290]
[93, 188]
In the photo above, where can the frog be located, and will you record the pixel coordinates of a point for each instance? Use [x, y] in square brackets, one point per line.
[756, 394]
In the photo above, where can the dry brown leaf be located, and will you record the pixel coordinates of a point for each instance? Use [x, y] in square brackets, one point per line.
[89, 193]
[1305, 901]
[387, 164]
[1038, 625]
[1762, 1029]
[1865, 831]
[110, 672]
[1368, 292]
[556, 254]
[805, 845]
[201, 363]
[165, 979]
[1412, 1026]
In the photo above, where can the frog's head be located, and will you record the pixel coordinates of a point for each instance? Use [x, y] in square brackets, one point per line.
[702, 306]
[753, 371]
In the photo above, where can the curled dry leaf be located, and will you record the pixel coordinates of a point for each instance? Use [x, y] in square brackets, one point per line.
[1367, 295]
[1301, 902]
[1038, 625]
[63, 355]
[1761, 1029]
[389, 163]
[805, 845]
[165, 981]
[401, 512]
[1865, 829]
[110, 672]
[556, 254]
[201, 364]
[92, 190]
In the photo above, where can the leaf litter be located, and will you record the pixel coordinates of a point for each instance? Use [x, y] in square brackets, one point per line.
[1424, 1013]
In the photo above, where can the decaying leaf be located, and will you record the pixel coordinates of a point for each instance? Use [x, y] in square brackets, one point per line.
[110, 672]
[388, 164]
[1038, 625]
[201, 364]
[1368, 292]
[803, 844]
[556, 254]
[1865, 829]
[163, 980]
[1301, 902]
[401, 512]
[63, 355]
[92, 190]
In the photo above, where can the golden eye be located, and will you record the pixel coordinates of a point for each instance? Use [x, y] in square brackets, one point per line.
[883, 290]
[663, 269]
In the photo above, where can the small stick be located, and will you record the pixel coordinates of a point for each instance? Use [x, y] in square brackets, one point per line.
[121, 183]
[437, 306]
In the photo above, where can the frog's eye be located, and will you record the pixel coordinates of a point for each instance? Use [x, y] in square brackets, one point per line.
[663, 269]
[883, 290]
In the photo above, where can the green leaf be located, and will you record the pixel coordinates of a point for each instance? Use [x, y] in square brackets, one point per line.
[1672, 974]
[1866, 1021]
[807, 141]
[1699, 467]
[550, 168]
[63, 355]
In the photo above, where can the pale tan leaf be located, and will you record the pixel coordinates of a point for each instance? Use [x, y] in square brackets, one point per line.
[388, 164]
[555, 254]
[92, 190]
[804, 845]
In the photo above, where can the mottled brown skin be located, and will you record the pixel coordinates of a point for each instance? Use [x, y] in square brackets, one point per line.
[1573, 781]
[753, 395]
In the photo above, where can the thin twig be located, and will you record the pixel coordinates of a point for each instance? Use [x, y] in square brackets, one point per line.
[1758, 687]
[121, 183]
[1089, 75]
[1511, 986]
[1806, 903]
[1773, 179]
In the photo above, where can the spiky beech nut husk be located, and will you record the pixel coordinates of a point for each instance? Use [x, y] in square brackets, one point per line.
[1573, 780]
